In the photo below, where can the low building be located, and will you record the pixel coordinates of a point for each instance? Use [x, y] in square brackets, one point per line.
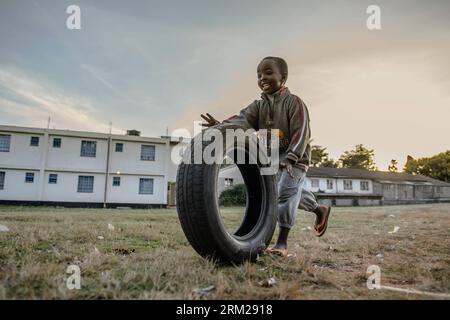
[357, 187]
[75, 168]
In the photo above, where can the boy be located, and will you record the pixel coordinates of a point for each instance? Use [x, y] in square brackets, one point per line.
[279, 109]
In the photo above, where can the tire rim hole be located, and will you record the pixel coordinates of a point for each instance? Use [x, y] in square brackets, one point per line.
[245, 178]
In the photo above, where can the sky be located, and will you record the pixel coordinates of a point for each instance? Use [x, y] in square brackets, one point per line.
[155, 66]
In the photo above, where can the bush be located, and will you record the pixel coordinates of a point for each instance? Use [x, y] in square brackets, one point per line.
[233, 196]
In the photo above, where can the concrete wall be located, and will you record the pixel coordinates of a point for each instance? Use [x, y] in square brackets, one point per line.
[322, 185]
[424, 192]
[344, 202]
[15, 187]
[405, 191]
[329, 200]
[369, 202]
[356, 186]
[377, 188]
[338, 186]
[174, 151]
[21, 154]
[128, 191]
[231, 172]
[400, 192]
[393, 191]
[443, 192]
[389, 191]
[65, 190]
[129, 161]
[68, 156]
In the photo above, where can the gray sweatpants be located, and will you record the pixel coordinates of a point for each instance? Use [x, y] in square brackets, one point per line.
[291, 196]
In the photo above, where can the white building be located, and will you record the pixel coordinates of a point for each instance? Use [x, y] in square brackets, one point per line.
[85, 168]
[357, 187]
[230, 176]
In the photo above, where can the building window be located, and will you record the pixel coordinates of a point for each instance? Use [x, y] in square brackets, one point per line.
[88, 148]
[348, 185]
[119, 147]
[34, 142]
[2, 180]
[5, 142]
[147, 152]
[29, 177]
[85, 184]
[228, 182]
[314, 183]
[116, 181]
[330, 184]
[56, 142]
[145, 186]
[364, 185]
[52, 178]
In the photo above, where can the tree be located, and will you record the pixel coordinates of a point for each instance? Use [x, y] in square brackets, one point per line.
[410, 165]
[393, 166]
[330, 163]
[437, 166]
[234, 196]
[321, 158]
[358, 158]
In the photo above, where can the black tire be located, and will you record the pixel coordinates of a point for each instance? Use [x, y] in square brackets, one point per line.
[198, 210]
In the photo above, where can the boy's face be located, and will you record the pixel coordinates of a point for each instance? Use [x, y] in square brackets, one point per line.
[270, 78]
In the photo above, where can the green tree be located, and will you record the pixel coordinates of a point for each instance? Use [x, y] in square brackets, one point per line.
[437, 166]
[410, 165]
[234, 196]
[358, 158]
[393, 167]
[321, 158]
[330, 163]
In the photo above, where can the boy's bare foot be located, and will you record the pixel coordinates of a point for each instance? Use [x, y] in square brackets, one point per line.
[280, 248]
[278, 251]
[322, 215]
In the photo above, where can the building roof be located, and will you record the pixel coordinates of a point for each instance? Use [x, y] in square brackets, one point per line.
[92, 135]
[380, 176]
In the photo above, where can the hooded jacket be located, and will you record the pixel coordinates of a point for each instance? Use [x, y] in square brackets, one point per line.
[289, 114]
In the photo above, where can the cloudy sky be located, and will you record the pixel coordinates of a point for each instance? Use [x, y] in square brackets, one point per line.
[150, 65]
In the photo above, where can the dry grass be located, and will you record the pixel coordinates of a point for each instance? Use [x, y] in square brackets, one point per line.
[148, 257]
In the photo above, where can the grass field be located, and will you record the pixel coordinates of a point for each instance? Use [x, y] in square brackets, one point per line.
[147, 256]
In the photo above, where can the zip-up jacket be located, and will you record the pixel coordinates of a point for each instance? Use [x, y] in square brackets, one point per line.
[289, 114]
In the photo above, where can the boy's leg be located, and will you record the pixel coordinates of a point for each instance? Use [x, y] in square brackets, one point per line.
[289, 193]
[309, 203]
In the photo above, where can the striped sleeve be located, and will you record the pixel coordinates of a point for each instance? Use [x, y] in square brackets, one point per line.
[247, 118]
[299, 130]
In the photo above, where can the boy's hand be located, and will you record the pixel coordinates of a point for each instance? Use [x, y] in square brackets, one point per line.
[288, 165]
[211, 121]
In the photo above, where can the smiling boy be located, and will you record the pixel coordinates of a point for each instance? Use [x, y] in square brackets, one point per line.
[279, 109]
